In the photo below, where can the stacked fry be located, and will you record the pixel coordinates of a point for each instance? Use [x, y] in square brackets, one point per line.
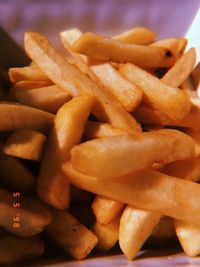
[100, 145]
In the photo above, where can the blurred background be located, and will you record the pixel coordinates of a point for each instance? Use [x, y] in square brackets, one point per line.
[169, 18]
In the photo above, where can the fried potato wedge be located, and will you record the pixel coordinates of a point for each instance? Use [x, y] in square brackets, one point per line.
[25, 144]
[173, 102]
[32, 216]
[53, 186]
[15, 116]
[124, 154]
[70, 78]
[72, 236]
[99, 47]
[49, 98]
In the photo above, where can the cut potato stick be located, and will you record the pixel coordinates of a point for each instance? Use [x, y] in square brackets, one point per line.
[15, 176]
[181, 69]
[53, 187]
[25, 144]
[135, 227]
[145, 189]
[170, 100]
[31, 72]
[127, 94]
[25, 85]
[31, 215]
[95, 129]
[99, 47]
[106, 210]
[14, 249]
[73, 237]
[139, 35]
[107, 235]
[68, 78]
[49, 98]
[168, 145]
[16, 116]
[175, 45]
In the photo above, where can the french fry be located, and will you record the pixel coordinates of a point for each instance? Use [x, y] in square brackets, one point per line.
[53, 187]
[99, 47]
[95, 129]
[175, 45]
[145, 189]
[105, 209]
[73, 237]
[12, 117]
[15, 176]
[14, 249]
[163, 231]
[168, 145]
[138, 35]
[30, 72]
[195, 77]
[107, 235]
[135, 227]
[49, 98]
[22, 216]
[68, 77]
[25, 144]
[181, 69]
[25, 85]
[174, 103]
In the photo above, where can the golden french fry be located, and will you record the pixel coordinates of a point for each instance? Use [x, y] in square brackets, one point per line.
[145, 189]
[25, 144]
[175, 45]
[99, 47]
[72, 236]
[15, 176]
[25, 85]
[135, 227]
[107, 235]
[181, 69]
[31, 72]
[138, 35]
[95, 129]
[16, 116]
[49, 98]
[168, 145]
[22, 216]
[105, 209]
[163, 231]
[127, 94]
[68, 77]
[53, 187]
[172, 101]
[14, 249]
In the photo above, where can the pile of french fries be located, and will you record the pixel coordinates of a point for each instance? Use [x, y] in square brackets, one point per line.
[111, 126]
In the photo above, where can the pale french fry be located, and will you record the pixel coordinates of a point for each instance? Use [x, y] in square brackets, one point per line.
[175, 45]
[168, 145]
[139, 35]
[181, 69]
[15, 175]
[23, 216]
[25, 85]
[163, 231]
[31, 72]
[49, 98]
[107, 235]
[145, 189]
[68, 77]
[16, 116]
[105, 209]
[99, 47]
[53, 186]
[127, 94]
[72, 236]
[173, 102]
[14, 249]
[135, 227]
[95, 129]
[25, 144]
